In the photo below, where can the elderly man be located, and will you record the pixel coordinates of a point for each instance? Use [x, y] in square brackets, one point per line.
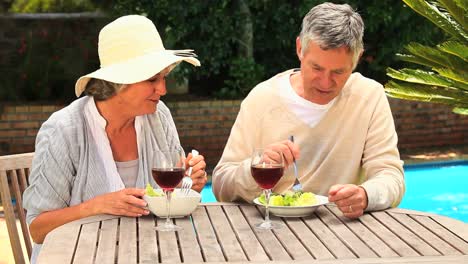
[345, 140]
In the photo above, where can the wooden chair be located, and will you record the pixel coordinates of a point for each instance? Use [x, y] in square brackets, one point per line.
[14, 172]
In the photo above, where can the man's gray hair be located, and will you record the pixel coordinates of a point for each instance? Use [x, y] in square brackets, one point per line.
[332, 26]
[101, 89]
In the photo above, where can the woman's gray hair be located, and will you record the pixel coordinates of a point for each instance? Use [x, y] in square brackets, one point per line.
[332, 26]
[101, 89]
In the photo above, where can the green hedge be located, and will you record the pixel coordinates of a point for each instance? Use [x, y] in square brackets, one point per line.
[214, 30]
[232, 63]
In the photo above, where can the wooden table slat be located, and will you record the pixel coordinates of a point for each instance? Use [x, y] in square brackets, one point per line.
[443, 233]
[328, 238]
[382, 249]
[206, 236]
[248, 240]
[349, 238]
[227, 238]
[412, 239]
[147, 244]
[308, 239]
[270, 244]
[127, 251]
[437, 243]
[403, 260]
[107, 241]
[61, 245]
[191, 250]
[455, 226]
[388, 237]
[169, 249]
[86, 248]
[292, 244]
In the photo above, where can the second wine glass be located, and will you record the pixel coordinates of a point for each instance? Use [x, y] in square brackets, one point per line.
[168, 169]
[267, 168]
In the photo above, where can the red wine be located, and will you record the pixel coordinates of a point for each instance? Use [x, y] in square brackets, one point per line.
[168, 178]
[267, 176]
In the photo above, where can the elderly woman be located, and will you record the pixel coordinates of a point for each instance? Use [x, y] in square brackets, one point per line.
[93, 156]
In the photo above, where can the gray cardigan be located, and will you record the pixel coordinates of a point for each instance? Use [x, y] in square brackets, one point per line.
[67, 169]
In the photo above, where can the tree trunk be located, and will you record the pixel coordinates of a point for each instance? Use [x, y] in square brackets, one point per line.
[245, 47]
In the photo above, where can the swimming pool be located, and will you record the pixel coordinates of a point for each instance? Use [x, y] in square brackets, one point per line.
[440, 188]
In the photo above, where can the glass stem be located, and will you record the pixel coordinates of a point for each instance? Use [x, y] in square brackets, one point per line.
[168, 207]
[267, 198]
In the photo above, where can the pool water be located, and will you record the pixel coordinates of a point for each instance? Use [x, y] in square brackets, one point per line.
[207, 194]
[440, 188]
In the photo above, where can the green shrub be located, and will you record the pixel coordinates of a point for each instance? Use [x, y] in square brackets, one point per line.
[219, 33]
[48, 59]
[213, 29]
[51, 6]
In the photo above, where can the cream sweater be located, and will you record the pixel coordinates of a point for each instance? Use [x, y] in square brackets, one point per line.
[355, 142]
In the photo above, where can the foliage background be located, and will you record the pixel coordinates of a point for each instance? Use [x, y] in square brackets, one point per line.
[232, 63]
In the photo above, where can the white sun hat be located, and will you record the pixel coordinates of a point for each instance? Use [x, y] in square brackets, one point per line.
[130, 51]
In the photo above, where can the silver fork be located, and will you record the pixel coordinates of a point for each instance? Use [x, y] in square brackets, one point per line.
[297, 185]
[187, 181]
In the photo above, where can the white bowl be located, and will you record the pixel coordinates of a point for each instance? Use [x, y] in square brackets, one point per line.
[295, 211]
[181, 205]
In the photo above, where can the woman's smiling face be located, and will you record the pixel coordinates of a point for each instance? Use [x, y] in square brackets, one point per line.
[142, 97]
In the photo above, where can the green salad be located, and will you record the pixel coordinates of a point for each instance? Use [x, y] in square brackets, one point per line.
[290, 198]
[152, 192]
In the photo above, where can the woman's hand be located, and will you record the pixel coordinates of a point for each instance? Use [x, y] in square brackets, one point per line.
[198, 176]
[126, 202]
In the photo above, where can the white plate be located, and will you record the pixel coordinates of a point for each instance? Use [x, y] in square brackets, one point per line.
[295, 211]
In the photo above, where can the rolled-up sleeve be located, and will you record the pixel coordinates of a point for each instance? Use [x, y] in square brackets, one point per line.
[51, 177]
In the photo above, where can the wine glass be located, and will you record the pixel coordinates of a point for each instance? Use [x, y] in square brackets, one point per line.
[168, 169]
[267, 167]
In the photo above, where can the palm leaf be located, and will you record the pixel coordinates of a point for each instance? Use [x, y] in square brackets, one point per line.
[420, 97]
[456, 11]
[418, 60]
[440, 19]
[454, 75]
[447, 83]
[461, 110]
[463, 4]
[419, 76]
[455, 48]
[435, 55]
[425, 77]
[427, 92]
[395, 90]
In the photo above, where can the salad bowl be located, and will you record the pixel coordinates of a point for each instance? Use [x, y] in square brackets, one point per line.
[181, 204]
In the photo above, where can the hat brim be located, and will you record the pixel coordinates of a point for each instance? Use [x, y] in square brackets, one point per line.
[135, 70]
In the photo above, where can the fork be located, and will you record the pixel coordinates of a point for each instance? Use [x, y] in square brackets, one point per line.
[297, 185]
[187, 181]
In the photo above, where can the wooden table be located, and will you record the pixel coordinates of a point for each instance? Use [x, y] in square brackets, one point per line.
[222, 232]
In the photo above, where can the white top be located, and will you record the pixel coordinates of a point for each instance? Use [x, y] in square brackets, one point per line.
[128, 171]
[307, 111]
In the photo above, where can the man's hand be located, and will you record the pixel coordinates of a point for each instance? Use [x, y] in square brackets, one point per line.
[290, 152]
[125, 202]
[198, 176]
[350, 199]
